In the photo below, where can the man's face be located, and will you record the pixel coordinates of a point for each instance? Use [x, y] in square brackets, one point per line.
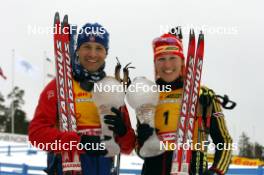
[91, 55]
[168, 67]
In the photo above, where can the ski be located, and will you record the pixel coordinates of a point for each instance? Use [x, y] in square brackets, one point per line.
[177, 154]
[66, 107]
[182, 157]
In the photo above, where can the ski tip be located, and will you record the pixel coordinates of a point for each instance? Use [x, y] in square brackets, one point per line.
[65, 19]
[57, 17]
[192, 35]
[201, 35]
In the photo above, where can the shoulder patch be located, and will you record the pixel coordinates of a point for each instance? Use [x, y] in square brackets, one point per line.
[50, 94]
[218, 114]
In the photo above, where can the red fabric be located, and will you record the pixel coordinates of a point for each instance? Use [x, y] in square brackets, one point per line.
[127, 142]
[43, 127]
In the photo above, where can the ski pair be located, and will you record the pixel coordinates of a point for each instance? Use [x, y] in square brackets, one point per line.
[184, 135]
[64, 80]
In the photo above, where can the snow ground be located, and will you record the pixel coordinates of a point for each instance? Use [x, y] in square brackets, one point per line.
[19, 156]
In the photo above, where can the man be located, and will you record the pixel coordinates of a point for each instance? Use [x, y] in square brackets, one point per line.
[169, 70]
[88, 68]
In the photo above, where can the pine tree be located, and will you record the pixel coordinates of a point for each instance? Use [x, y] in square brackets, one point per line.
[245, 147]
[17, 101]
[3, 114]
[259, 151]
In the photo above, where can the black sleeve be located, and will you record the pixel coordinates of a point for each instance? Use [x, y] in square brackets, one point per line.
[221, 137]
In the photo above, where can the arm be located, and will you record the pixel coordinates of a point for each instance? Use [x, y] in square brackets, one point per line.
[44, 126]
[220, 135]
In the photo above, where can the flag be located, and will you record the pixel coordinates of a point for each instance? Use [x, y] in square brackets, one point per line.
[50, 75]
[2, 74]
[22, 65]
[48, 59]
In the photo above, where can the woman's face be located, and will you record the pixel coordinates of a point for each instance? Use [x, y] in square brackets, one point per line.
[91, 55]
[168, 67]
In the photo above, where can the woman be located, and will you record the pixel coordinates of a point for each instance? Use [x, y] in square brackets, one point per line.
[169, 70]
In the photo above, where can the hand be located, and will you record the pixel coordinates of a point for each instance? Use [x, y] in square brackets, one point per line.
[93, 146]
[144, 131]
[116, 122]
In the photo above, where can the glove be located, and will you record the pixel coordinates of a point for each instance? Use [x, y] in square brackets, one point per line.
[144, 131]
[116, 122]
[93, 146]
[210, 172]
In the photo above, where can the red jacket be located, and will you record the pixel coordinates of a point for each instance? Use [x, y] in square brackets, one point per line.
[43, 128]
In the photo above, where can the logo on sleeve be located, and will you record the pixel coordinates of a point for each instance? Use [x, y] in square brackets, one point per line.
[50, 94]
[218, 114]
